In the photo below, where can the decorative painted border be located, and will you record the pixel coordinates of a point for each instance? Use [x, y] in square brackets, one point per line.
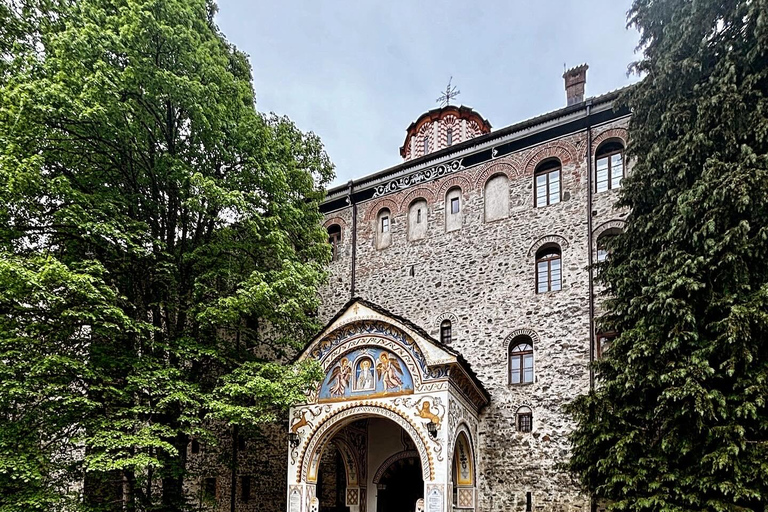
[420, 176]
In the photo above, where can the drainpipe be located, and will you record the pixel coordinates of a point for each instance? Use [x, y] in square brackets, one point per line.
[592, 502]
[589, 252]
[351, 200]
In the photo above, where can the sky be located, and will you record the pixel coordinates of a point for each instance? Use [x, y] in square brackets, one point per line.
[358, 72]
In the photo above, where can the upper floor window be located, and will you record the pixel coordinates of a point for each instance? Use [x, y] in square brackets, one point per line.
[524, 419]
[548, 179]
[449, 136]
[521, 361]
[453, 209]
[609, 166]
[334, 238]
[426, 145]
[417, 219]
[383, 235]
[445, 332]
[548, 269]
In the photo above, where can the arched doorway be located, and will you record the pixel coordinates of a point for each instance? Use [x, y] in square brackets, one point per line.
[400, 485]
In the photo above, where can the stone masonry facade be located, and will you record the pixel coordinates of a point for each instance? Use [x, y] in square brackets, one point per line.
[482, 278]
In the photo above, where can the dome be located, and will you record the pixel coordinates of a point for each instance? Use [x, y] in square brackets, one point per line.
[441, 128]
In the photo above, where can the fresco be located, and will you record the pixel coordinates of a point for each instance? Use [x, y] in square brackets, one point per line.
[367, 372]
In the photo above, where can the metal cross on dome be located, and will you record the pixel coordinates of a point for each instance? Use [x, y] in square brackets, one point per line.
[448, 95]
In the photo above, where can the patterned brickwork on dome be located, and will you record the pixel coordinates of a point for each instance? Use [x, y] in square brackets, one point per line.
[441, 128]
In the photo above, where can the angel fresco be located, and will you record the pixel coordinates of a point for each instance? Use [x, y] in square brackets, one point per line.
[340, 377]
[389, 372]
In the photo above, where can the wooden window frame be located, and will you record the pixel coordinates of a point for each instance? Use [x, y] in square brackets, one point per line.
[521, 356]
[548, 255]
[547, 169]
[608, 155]
[385, 224]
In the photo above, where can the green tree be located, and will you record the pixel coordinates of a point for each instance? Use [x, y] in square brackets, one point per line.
[160, 249]
[678, 420]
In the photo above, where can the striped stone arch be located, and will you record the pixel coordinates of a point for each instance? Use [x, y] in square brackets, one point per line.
[454, 181]
[505, 168]
[335, 220]
[605, 226]
[376, 207]
[548, 239]
[418, 193]
[562, 150]
[612, 133]
[522, 332]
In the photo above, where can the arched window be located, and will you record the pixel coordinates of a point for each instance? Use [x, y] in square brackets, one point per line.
[609, 168]
[548, 179]
[521, 360]
[426, 144]
[383, 234]
[417, 219]
[449, 136]
[453, 209]
[334, 238]
[446, 334]
[603, 243]
[524, 419]
[548, 269]
[496, 197]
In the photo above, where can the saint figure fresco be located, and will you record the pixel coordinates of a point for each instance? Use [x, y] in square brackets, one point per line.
[389, 372]
[340, 377]
[365, 375]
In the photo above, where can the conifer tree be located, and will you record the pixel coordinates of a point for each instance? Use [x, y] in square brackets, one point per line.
[160, 249]
[678, 420]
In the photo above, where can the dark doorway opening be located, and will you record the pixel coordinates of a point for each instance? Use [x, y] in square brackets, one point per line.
[400, 487]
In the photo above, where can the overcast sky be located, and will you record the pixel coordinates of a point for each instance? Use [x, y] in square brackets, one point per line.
[358, 72]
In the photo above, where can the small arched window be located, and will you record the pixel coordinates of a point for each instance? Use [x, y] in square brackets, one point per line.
[449, 136]
[548, 269]
[426, 144]
[334, 238]
[524, 419]
[383, 234]
[446, 333]
[548, 180]
[453, 209]
[609, 168]
[521, 361]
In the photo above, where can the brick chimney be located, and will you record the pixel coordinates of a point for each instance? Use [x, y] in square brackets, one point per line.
[575, 80]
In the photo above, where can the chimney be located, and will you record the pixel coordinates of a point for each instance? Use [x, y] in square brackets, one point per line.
[575, 80]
